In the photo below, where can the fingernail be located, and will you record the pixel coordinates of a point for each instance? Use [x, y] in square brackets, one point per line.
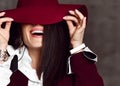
[70, 11]
[64, 17]
[76, 10]
[3, 13]
[11, 19]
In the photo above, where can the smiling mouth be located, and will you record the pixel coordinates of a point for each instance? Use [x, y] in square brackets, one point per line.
[37, 32]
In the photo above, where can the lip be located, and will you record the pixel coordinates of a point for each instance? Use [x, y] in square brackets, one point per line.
[36, 29]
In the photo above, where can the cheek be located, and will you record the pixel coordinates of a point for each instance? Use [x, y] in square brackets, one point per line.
[25, 35]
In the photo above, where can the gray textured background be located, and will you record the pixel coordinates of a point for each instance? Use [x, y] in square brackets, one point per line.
[102, 35]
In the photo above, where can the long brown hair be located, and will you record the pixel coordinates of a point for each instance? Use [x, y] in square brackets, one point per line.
[54, 53]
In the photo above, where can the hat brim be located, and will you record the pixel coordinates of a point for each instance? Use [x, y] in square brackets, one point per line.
[43, 15]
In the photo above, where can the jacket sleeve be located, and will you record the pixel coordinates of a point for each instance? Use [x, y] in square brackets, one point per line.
[85, 71]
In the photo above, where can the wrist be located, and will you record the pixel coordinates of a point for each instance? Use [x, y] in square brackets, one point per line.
[74, 45]
[3, 47]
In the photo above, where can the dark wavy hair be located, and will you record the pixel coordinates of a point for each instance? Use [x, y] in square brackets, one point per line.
[54, 52]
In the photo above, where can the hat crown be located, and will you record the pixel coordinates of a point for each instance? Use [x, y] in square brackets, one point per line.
[30, 3]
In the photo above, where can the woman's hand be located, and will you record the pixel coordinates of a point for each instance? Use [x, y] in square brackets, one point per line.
[4, 32]
[76, 24]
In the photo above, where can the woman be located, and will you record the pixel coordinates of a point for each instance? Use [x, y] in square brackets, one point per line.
[35, 51]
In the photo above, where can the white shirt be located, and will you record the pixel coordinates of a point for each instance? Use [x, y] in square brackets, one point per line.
[24, 65]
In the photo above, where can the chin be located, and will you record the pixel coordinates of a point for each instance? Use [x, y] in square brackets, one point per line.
[37, 46]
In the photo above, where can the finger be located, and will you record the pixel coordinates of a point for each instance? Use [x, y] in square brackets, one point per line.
[71, 18]
[73, 13]
[2, 14]
[80, 15]
[84, 23]
[71, 28]
[5, 20]
[8, 25]
[70, 24]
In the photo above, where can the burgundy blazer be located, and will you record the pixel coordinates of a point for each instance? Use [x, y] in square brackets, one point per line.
[85, 74]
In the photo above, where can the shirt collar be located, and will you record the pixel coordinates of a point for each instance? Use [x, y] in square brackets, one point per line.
[26, 69]
[24, 63]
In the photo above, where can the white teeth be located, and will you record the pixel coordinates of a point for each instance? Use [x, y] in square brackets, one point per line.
[37, 31]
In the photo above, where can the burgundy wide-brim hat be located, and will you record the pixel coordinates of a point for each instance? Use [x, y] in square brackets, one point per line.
[42, 11]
